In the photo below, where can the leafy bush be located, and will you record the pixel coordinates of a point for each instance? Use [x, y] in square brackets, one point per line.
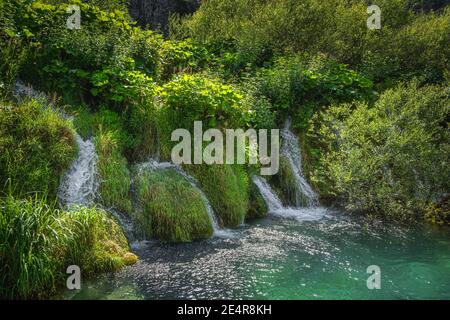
[182, 56]
[190, 98]
[298, 86]
[36, 146]
[172, 210]
[391, 158]
[195, 98]
[38, 243]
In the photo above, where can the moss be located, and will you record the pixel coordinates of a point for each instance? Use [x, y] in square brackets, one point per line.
[257, 208]
[284, 183]
[172, 210]
[36, 146]
[130, 258]
[39, 242]
[227, 188]
[114, 173]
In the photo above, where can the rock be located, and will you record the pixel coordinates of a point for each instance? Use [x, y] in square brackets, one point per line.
[155, 13]
[130, 258]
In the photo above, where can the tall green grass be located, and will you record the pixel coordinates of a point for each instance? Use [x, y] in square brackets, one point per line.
[38, 243]
[114, 173]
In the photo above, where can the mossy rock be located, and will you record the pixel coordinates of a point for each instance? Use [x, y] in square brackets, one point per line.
[171, 208]
[227, 188]
[258, 207]
[130, 258]
[284, 183]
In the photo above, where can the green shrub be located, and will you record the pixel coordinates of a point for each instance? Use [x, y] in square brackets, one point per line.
[391, 158]
[190, 98]
[36, 146]
[227, 188]
[38, 243]
[122, 88]
[181, 56]
[195, 98]
[439, 213]
[171, 209]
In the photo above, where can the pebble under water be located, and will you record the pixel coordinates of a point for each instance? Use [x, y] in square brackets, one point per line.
[287, 258]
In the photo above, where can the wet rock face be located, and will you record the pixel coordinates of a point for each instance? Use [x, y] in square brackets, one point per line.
[155, 13]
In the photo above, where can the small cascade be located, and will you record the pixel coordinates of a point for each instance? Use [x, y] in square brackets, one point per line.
[305, 195]
[80, 184]
[307, 208]
[273, 202]
[155, 165]
[131, 231]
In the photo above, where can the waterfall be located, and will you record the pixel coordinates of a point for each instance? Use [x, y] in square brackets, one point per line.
[307, 208]
[272, 201]
[305, 195]
[80, 183]
[155, 165]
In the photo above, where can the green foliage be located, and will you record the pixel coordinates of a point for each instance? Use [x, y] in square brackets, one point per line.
[439, 213]
[12, 56]
[227, 188]
[172, 210]
[298, 80]
[36, 146]
[195, 98]
[116, 86]
[250, 33]
[38, 243]
[182, 56]
[190, 98]
[390, 158]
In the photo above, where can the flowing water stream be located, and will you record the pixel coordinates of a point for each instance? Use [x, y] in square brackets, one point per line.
[80, 184]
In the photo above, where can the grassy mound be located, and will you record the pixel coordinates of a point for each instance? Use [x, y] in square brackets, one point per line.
[172, 210]
[36, 146]
[38, 243]
[227, 187]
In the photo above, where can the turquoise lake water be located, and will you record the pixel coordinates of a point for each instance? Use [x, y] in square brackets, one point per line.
[279, 258]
